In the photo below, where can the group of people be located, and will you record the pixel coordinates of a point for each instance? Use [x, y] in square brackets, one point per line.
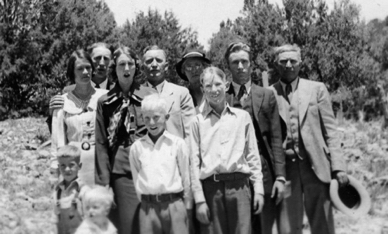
[223, 156]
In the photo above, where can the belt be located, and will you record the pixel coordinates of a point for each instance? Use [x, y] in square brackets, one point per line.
[226, 177]
[166, 197]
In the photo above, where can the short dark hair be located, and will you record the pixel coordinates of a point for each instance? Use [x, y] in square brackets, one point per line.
[130, 53]
[78, 54]
[235, 47]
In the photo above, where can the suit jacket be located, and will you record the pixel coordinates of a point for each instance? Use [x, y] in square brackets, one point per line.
[317, 127]
[180, 107]
[265, 117]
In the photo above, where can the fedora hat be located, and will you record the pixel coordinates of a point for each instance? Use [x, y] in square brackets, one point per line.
[193, 53]
[352, 200]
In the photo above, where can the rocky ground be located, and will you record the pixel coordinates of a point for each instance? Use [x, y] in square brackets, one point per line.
[25, 190]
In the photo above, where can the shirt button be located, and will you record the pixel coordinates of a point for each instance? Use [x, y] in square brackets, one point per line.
[88, 123]
[89, 135]
[293, 160]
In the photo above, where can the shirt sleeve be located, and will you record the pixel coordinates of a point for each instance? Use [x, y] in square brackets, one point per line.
[252, 156]
[135, 166]
[184, 169]
[195, 162]
[102, 164]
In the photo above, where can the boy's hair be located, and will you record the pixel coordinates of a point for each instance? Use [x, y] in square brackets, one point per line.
[236, 47]
[154, 102]
[98, 193]
[70, 151]
[213, 71]
[154, 47]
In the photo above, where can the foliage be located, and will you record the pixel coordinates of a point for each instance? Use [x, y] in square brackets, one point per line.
[334, 47]
[37, 37]
[153, 28]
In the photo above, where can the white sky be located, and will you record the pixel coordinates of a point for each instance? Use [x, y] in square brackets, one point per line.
[205, 16]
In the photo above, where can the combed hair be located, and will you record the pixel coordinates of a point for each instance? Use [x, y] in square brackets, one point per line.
[98, 193]
[287, 48]
[154, 102]
[90, 48]
[154, 47]
[236, 47]
[70, 151]
[78, 54]
[213, 71]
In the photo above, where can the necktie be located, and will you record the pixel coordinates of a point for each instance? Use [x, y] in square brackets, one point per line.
[288, 92]
[120, 118]
[241, 92]
[97, 86]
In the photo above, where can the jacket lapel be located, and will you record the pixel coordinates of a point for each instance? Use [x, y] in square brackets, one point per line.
[304, 97]
[280, 99]
[257, 98]
[230, 95]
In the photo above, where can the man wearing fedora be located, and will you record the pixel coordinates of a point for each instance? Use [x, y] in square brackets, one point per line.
[190, 68]
[311, 146]
[262, 107]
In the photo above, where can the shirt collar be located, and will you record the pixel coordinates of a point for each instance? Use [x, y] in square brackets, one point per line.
[207, 109]
[294, 85]
[159, 87]
[165, 134]
[103, 84]
[236, 87]
[73, 184]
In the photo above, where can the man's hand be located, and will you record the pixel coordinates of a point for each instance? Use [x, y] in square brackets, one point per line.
[258, 203]
[342, 178]
[278, 191]
[56, 102]
[203, 213]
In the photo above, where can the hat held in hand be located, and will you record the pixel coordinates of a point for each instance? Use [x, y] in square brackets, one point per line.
[352, 200]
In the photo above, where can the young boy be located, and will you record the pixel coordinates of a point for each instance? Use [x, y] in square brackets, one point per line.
[98, 202]
[224, 157]
[67, 192]
[160, 169]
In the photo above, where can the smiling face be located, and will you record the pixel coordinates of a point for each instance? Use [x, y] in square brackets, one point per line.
[101, 57]
[155, 66]
[69, 167]
[214, 90]
[125, 70]
[82, 71]
[240, 66]
[288, 65]
[155, 122]
[97, 211]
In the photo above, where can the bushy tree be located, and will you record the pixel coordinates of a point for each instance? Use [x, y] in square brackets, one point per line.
[154, 28]
[37, 37]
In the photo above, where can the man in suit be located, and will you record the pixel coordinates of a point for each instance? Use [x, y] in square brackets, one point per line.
[311, 146]
[261, 105]
[101, 57]
[179, 102]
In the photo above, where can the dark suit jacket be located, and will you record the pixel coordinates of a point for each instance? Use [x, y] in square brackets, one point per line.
[114, 158]
[265, 117]
[317, 127]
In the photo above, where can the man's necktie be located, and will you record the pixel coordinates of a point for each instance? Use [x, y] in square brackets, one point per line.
[97, 86]
[241, 92]
[288, 92]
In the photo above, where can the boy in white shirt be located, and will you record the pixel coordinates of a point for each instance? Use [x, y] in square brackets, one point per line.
[160, 168]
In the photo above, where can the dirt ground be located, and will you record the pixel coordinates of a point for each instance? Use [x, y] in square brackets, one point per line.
[25, 191]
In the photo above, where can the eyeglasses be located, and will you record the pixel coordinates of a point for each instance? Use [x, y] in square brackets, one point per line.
[192, 67]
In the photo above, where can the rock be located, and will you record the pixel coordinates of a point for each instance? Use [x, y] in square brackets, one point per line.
[44, 154]
[31, 146]
[42, 204]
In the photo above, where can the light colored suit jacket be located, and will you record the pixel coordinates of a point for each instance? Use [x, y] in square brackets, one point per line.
[180, 107]
[317, 127]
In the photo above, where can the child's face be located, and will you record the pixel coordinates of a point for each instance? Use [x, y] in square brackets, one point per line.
[97, 211]
[214, 89]
[69, 168]
[155, 121]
